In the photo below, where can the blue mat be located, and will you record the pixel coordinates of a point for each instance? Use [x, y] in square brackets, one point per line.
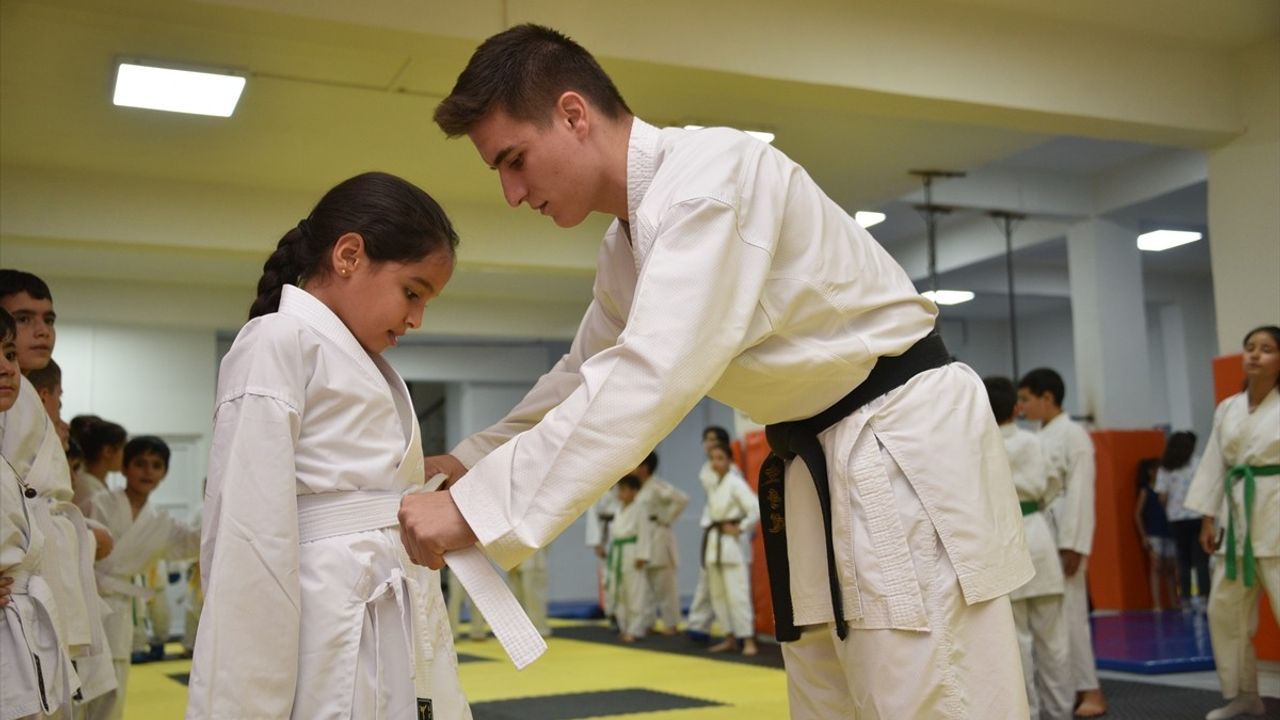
[1150, 642]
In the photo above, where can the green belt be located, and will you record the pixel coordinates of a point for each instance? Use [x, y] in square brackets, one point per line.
[1248, 472]
[1029, 507]
[614, 562]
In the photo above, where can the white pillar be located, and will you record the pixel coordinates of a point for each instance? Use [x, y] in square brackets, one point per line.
[1244, 204]
[1177, 378]
[1109, 325]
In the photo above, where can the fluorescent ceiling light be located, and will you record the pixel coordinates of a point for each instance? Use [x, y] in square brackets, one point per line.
[1158, 240]
[757, 134]
[867, 218]
[183, 91]
[948, 297]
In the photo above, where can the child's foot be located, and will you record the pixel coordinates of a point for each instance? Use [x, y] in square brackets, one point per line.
[726, 645]
[627, 638]
[1243, 704]
[1092, 704]
[749, 647]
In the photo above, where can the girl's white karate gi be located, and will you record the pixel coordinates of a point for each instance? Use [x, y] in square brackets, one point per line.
[665, 502]
[926, 524]
[30, 443]
[1037, 605]
[631, 539]
[729, 498]
[139, 542]
[1241, 437]
[312, 608]
[1068, 458]
[36, 675]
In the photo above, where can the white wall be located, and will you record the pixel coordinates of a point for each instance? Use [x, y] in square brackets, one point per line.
[152, 381]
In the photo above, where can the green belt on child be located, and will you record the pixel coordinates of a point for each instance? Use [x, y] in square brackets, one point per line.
[614, 561]
[1248, 473]
[1029, 507]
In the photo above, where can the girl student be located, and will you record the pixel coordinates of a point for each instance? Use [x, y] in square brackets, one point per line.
[312, 608]
[1236, 488]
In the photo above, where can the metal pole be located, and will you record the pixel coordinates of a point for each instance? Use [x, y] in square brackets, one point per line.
[1006, 220]
[930, 217]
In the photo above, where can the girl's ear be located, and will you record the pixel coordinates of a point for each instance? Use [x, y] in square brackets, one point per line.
[347, 254]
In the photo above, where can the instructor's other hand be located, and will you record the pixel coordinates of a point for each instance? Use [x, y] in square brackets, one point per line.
[431, 525]
[1070, 561]
[447, 465]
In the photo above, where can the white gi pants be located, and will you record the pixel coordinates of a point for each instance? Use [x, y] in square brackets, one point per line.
[1046, 657]
[631, 600]
[700, 611]
[528, 582]
[666, 596]
[966, 665]
[730, 593]
[1075, 606]
[1233, 621]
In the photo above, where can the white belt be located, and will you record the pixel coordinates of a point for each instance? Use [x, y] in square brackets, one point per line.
[327, 515]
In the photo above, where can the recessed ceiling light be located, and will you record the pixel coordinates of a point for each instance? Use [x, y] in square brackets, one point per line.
[173, 90]
[757, 134]
[948, 297]
[867, 218]
[1158, 240]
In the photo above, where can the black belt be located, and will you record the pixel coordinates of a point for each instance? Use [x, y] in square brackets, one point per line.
[800, 437]
[706, 534]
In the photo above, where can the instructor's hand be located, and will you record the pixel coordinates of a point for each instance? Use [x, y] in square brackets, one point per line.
[446, 464]
[431, 525]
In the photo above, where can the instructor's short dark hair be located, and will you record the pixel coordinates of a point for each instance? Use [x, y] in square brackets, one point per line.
[1044, 380]
[523, 71]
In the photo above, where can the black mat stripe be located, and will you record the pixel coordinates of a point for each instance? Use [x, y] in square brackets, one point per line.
[770, 653]
[585, 705]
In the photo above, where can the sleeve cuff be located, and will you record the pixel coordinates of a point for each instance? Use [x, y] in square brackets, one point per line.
[495, 536]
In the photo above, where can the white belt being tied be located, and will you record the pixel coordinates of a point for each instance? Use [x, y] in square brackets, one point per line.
[327, 515]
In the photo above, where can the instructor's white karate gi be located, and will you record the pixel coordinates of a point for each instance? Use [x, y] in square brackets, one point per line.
[139, 542]
[724, 564]
[1068, 458]
[735, 276]
[1037, 605]
[665, 502]
[304, 618]
[1240, 437]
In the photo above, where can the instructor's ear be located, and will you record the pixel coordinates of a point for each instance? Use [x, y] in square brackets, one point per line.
[573, 110]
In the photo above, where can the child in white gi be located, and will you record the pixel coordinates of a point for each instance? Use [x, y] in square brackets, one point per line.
[700, 612]
[314, 444]
[1239, 478]
[36, 675]
[733, 510]
[1068, 456]
[144, 533]
[629, 551]
[1037, 605]
[665, 502]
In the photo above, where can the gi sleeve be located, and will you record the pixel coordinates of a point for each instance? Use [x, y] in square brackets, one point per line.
[1075, 523]
[1208, 489]
[745, 498]
[687, 322]
[644, 538]
[246, 659]
[13, 522]
[674, 501]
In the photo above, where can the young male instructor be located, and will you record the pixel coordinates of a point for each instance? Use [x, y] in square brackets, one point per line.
[729, 273]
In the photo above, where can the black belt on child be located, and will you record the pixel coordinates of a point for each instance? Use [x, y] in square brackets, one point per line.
[800, 437]
[718, 526]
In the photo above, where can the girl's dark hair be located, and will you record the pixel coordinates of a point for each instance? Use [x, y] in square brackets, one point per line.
[398, 221]
[722, 435]
[1178, 450]
[96, 435]
[8, 328]
[1146, 468]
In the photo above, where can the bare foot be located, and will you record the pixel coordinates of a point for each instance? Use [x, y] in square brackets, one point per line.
[627, 638]
[1092, 704]
[749, 647]
[727, 645]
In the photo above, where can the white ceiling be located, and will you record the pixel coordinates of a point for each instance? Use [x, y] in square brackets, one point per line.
[336, 88]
